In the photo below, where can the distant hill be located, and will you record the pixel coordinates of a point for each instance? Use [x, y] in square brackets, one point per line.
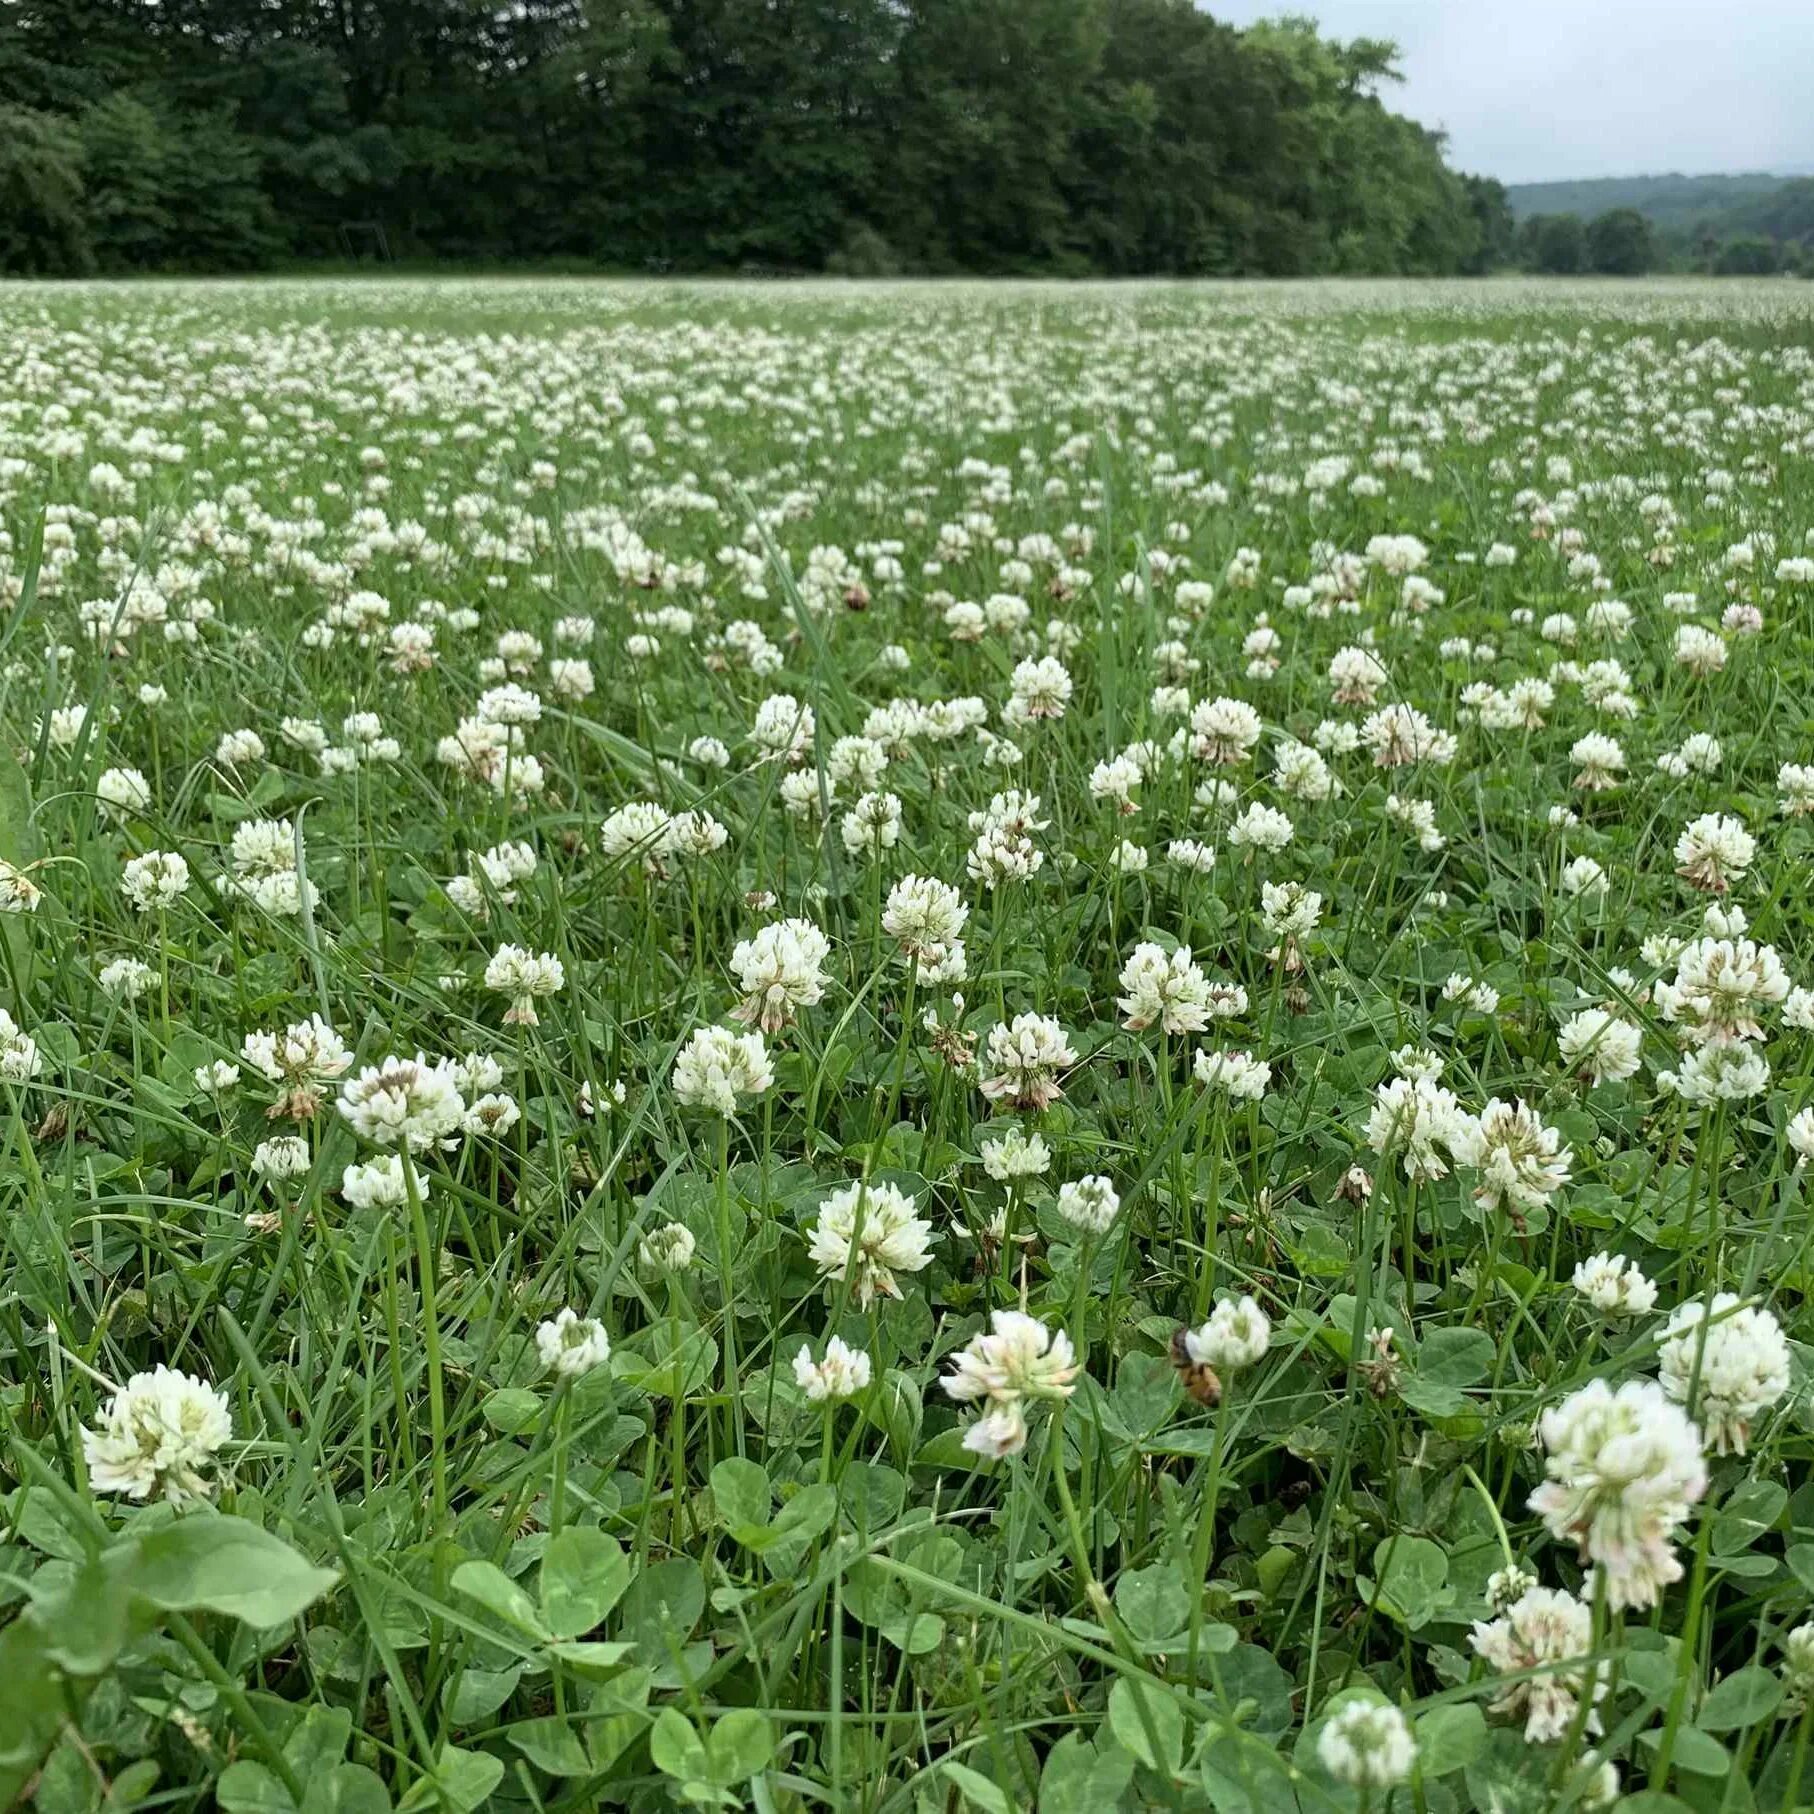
[1671, 201]
[1783, 213]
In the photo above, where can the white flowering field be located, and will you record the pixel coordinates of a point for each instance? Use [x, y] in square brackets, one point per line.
[906, 1049]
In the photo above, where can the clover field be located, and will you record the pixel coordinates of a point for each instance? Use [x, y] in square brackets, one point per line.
[906, 1048]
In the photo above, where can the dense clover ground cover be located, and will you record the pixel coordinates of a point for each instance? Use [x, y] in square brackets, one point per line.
[906, 1048]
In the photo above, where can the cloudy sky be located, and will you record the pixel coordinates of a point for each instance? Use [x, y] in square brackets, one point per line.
[1534, 90]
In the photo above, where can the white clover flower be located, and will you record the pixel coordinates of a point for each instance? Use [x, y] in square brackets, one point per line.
[1089, 1203]
[939, 966]
[857, 763]
[1260, 827]
[570, 1344]
[873, 824]
[865, 1234]
[125, 978]
[1367, 1744]
[263, 857]
[1024, 1058]
[668, 1249]
[213, 1079]
[1237, 1075]
[1038, 688]
[1538, 1633]
[780, 971]
[1597, 1045]
[377, 1184]
[63, 727]
[1506, 1586]
[1721, 989]
[1187, 853]
[570, 677]
[1015, 1154]
[1115, 781]
[999, 1432]
[239, 749]
[155, 882]
[1017, 1357]
[302, 1058]
[1598, 760]
[1728, 1362]
[1169, 990]
[1582, 876]
[783, 727]
[642, 829]
[1289, 910]
[1798, 1658]
[1615, 1286]
[1521, 1162]
[1224, 731]
[122, 792]
[509, 705]
[1700, 651]
[477, 1072]
[158, 1435]
[1418, 817]
[403, 1101]
[1355, 676]
[1001, 855]
[490, 1116]
[525, 976]
[18, 892]
[1718, 1074]
[696, 834]
[843, 1373]
[1399, 734]
[1713, 852]
[20, 1059]
[1010, 811]
[1725, 919]
[1234, 1338]
[283, 1156]
[1397, 554]
[800, 796]
[716, 1068]
[1623, 1470]
[924, 916]
[1414, 1117]
[1795, 780]
[1800, 1136]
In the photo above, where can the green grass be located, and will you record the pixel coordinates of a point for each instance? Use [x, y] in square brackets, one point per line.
[424, 1570]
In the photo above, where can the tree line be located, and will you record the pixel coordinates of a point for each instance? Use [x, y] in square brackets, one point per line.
[864, 136]
[1757, 238]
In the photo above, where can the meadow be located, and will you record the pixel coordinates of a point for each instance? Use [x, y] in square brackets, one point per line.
[906, 1048]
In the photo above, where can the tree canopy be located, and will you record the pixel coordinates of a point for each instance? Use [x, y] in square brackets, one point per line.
[1115, 136]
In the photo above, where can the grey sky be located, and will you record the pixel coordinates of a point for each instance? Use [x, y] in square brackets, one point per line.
[1533, 90]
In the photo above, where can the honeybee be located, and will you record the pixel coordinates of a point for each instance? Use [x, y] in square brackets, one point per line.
[1199, 1381]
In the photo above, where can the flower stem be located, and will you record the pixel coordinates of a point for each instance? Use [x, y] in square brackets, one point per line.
[431, 1333]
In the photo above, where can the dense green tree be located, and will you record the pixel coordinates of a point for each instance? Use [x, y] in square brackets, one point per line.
[1555, 244]
[1748, 255]
[933, 135]
[1620, 243]
[126, 154]
[1494, 227]
[43, 218]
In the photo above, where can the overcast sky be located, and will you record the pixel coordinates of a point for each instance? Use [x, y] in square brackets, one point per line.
[1534, 90]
